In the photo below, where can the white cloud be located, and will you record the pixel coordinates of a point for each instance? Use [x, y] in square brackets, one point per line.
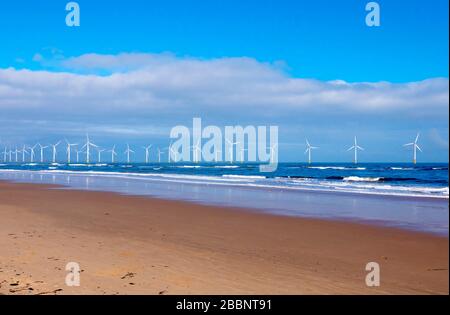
[135, 86]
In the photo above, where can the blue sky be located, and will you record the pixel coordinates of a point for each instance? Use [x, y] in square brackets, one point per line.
[287, 49]
[320, 39]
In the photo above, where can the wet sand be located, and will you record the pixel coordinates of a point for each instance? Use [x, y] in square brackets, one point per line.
[140, 245]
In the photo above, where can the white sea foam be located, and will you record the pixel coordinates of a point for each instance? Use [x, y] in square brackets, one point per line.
[341, 168]
[362, 179]
[357, 185]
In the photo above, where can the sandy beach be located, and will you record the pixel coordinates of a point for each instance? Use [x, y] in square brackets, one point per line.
[140, 245]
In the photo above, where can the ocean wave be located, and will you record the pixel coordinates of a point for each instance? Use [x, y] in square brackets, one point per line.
[361, 179]
[340, 168]
[363, 185]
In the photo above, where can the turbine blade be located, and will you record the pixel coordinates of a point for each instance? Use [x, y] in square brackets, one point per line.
[419, 148]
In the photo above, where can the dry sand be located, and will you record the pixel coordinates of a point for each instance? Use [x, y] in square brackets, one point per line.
[137, 245]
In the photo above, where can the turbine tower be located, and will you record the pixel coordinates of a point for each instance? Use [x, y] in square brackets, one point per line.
[232, 144]
[127, 152]
[159, 155]
[173, 154]
[99, 152]
[78, 155]
[113, 153]
[42, 151]
[68, 150]
[147, 153]
[309, 148]
[24, 152]
[54, 151]
[32, 153]
[355, 147]
[415, 147]
[16, 153]
[88, 145]
[196, 152]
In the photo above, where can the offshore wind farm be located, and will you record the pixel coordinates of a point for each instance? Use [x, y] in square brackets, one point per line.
[90, 149]
[83, 157]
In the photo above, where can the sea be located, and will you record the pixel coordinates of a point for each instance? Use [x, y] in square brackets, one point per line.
[393, 194]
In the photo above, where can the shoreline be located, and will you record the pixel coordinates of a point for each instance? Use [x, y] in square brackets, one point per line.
[257, 211]
[176, 247]
[427, 214]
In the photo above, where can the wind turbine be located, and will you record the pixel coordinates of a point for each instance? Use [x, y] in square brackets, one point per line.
[24, 152]
[159, 155]
[42, 151]
[68, 150]
[88, 145]
[231, 151]
[78, 155]
[54, 151]
[113, 153]
[196, 152]
[173, 154]
[355, 147]
[309, 148]
[99, 152]
[32, 154]
[147, 153]
[127, 152]
[16, 153]
[415, 147]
